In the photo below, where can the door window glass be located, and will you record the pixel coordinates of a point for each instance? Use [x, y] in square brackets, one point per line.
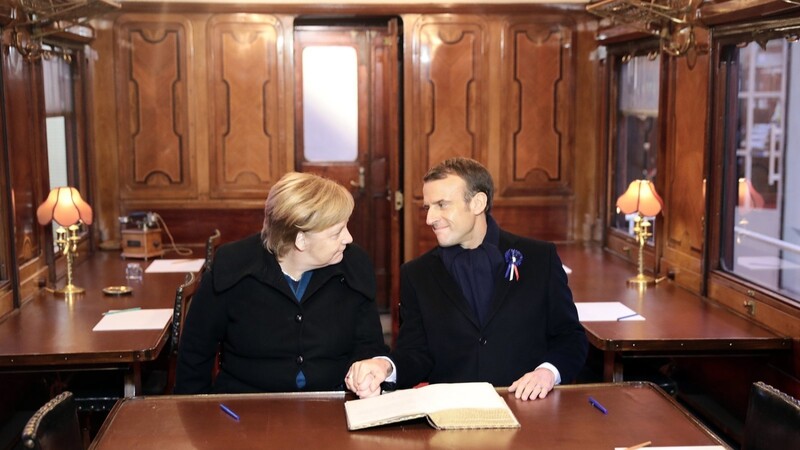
[330, 103]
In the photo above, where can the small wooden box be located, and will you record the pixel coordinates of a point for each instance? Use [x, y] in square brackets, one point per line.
[142, 243]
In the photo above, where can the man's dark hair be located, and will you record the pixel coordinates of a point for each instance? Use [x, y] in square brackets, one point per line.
[476, 176]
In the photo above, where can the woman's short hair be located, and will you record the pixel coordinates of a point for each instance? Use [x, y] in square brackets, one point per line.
[476, 176]
[302, 202]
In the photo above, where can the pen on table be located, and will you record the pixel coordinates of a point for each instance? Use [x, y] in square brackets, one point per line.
[117, 311]
[627, 317]
[638, 446]
[597, 405]
[228, 411]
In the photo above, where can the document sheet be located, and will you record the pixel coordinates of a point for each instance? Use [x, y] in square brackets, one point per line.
[175, 265]
[142, 319]
[605, 311]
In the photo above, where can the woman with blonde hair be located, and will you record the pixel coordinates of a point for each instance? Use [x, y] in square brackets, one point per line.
[291, 308]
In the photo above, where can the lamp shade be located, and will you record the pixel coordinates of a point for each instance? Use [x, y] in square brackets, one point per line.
[66, 206]
[748, 195]
[640, 197]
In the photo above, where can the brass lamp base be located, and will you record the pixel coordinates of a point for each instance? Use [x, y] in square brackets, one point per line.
[641, 280]
[67, 241]
[640, 229]
[69, 289]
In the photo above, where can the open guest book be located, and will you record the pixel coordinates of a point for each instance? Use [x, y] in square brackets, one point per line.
[447, 406]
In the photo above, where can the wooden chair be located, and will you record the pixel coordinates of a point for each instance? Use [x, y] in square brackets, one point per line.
[211, 247]
[54, 426]
[772, 421]
[183, 299]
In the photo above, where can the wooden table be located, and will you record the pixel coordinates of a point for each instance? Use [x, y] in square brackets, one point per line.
[637, 412]
[55, 333]
[678, 322]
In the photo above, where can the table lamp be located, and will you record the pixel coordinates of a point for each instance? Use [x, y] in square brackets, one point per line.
[641, 198]
[65, 206]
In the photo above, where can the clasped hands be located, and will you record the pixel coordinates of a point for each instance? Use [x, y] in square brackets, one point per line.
[365, 377]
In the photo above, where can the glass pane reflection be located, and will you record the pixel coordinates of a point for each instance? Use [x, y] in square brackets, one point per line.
[636, 146]
[764, 228]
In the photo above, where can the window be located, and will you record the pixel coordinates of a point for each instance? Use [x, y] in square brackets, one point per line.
[330, 103]
[63, 123]
[761, 154]
[635, 136]
[60, 120]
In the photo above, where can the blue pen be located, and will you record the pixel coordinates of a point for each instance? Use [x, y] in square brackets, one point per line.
[117, 311]
[229, 411]
[627, 317]
[597, 405]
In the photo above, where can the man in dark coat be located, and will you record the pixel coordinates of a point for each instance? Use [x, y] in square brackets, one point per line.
[485, 305]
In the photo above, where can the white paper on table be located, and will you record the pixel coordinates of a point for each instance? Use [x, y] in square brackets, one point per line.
[142, 319]
[175, 265]
[680, 447]
[605, 312]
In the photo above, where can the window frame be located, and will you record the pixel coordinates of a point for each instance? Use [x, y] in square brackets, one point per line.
[615, 240]
[8, 285]
[77, 143]
[725, 286]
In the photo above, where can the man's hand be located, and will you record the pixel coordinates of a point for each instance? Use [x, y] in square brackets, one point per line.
[365, 376]
[533, 385]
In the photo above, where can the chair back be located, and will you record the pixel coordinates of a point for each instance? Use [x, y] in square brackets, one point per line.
[54, 426]
[183, 298]
[773, 419]
[211, 247]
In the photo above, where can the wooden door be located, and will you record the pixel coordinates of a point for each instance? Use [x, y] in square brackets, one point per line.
[366, 158]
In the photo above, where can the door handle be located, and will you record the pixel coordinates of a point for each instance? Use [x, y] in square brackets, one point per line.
[361, 183]
[398, 200]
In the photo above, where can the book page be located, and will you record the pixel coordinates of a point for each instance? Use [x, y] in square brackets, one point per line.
[443, 396]
[471, 418]
[448, 405]
[387, 408]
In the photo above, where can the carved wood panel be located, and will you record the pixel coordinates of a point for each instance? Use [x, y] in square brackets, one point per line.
[538, 73]
[153, 59]
[246, 104]
[684, 191]
[449, 86]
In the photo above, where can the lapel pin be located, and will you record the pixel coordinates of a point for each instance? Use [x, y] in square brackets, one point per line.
[514, 260]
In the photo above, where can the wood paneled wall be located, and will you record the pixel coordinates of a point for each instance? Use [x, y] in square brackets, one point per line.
[152, 91]
[246, 90]
[203, 127]
[204, 114]
[499, 89]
